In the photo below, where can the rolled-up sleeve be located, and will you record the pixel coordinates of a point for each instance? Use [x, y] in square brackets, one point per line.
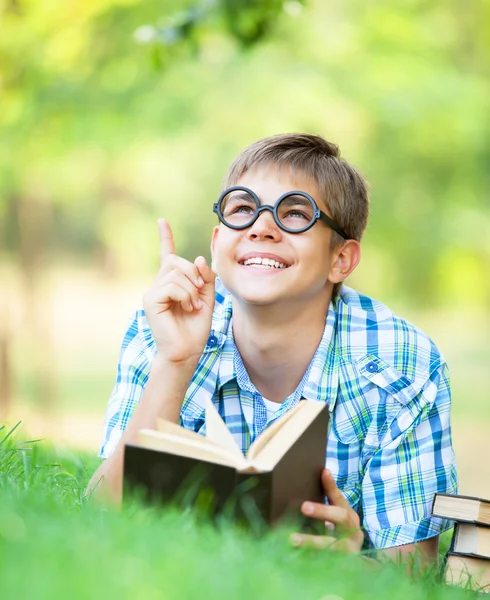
[136, 354]
[414, 461]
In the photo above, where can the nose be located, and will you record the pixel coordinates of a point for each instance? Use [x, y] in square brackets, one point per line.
[265, 227]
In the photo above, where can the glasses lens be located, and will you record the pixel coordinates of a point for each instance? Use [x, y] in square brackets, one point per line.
[295, 212]
[238, 208]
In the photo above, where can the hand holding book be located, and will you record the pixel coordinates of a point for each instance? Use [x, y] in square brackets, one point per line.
[338, 514]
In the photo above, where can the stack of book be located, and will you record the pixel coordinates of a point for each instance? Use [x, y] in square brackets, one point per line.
[468, 560]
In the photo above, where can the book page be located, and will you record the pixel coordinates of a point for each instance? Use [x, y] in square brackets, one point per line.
[218, 433]
[264, 438]
[456, 507]
[200, 449]
[287, 435]
[165, 426]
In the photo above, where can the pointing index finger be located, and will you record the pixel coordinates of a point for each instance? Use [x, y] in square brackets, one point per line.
[167, 245]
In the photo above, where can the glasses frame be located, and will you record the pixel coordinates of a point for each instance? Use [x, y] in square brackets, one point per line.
[318, 214]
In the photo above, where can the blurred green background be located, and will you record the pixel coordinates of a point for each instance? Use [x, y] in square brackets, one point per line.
[116, 112]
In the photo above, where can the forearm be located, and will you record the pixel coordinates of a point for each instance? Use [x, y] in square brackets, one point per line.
[417, 556]
[162, 398]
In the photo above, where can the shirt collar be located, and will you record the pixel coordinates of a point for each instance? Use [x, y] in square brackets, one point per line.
[321, 378]
[226, 369]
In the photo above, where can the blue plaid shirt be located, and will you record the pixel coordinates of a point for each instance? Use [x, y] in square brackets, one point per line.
[386, 385]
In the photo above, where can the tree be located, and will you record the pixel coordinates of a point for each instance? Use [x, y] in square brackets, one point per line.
[116, 112]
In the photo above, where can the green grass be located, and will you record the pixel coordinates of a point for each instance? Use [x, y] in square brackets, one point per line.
[55, 544]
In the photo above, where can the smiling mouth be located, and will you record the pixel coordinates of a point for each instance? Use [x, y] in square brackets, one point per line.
[264, 263]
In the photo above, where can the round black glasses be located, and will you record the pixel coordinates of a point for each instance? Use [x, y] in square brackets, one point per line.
[239, 207]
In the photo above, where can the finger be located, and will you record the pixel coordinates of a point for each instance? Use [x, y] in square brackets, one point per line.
[334, 514]
[331, 490]
[209, 277]
[206, 273]
[171, 292]
[190, 270]
[167, 245]
[184, 282]
[345, 521]
[315, 541]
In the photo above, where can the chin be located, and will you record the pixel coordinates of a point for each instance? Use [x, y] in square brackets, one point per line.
[257, 299]
[254, 293]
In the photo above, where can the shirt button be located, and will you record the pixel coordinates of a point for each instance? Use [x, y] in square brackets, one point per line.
[212, 341]
[372, 367]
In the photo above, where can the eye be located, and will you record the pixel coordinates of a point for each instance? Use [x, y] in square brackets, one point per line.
[298, 211]
[242, 208]
[295, 213]
[237, 205]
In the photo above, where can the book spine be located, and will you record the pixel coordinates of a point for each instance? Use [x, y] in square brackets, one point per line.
[454, 539]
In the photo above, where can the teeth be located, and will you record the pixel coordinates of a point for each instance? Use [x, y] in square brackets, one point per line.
[264, 262]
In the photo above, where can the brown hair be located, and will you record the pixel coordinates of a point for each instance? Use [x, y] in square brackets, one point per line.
[344, 189]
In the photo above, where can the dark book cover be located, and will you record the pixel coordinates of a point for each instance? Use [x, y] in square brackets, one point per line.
[271, 496]
[463, 497]
[480, 557]
[162, 477]
[296, 477]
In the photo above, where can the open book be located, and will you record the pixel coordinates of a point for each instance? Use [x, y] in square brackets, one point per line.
[280, 470]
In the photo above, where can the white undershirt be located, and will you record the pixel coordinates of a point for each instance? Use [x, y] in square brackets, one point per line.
[272, 407]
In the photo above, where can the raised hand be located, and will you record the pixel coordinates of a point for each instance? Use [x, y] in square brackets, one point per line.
[179, 305]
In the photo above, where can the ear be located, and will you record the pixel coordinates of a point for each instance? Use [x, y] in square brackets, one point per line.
[214, 238]
[345, 259]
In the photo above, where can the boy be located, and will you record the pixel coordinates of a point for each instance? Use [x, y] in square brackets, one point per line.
[279, 325]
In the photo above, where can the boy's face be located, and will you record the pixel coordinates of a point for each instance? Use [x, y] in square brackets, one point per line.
[308, 259]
